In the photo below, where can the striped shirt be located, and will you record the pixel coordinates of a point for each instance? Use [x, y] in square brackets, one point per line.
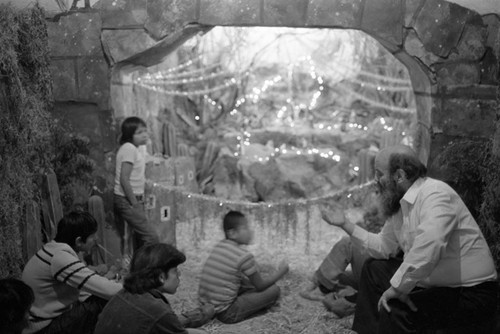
[222, 273]
[58, 278]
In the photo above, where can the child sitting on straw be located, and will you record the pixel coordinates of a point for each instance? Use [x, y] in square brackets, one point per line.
[141, 307]
[230, 280]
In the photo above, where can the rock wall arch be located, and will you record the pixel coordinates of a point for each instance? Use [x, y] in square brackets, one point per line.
[452, 53]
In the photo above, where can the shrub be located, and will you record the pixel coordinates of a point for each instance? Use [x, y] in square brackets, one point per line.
[25, 98]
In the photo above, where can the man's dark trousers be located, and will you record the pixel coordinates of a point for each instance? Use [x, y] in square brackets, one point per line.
[460, 310]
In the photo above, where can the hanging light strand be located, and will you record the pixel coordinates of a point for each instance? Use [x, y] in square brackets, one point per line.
[354, 71]
[175, 76]
[376, 103]
[165, 81]
[228, 83]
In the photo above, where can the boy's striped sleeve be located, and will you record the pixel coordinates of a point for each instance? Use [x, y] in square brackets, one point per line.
[70, 270]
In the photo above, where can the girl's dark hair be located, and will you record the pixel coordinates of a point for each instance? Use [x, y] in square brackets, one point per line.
[129, 126]
[148, 263]
[16, 298]
[232, 220]
[412, 166]
[73, 225]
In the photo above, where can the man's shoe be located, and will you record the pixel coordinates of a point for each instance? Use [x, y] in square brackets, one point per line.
[341, 307]
[312, 292]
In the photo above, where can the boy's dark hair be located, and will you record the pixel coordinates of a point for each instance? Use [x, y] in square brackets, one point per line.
[16, 298]
[148, 263]
[231, 221]
[73, 225]
[129, 126]
[412, 166]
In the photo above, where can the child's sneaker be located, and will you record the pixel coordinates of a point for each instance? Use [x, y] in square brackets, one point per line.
[341, 307]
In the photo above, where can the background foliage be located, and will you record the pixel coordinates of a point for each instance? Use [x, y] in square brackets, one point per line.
[72, 165]
[471, 168]
[25, 98]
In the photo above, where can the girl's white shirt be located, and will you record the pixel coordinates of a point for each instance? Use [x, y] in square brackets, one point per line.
[137, 157]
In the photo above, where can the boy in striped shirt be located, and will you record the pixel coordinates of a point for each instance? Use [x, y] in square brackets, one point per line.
[68, 295]
[230, 280]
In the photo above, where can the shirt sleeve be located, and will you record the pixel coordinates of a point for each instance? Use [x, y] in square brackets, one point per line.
[68, 269]
[248, 266]
[437, 219]
[381, 245]
[128, 153]
[169, 324]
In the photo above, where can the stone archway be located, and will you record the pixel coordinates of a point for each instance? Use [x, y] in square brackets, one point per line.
[451, 52]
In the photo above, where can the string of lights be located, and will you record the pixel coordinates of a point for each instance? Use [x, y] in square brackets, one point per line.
[357, 71]
[166, 76]
[164, 81]
[228, 83]
[375, 103]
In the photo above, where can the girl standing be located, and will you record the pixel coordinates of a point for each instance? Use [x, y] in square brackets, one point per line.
[129, 183]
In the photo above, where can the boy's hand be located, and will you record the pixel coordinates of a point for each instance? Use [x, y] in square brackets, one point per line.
[334, 216]
[283, 267]
[101, 269]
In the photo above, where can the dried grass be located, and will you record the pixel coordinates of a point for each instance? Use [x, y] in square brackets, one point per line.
[292, 314]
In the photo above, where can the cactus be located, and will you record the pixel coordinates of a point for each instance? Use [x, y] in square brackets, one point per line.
[208, 159]
[183, 150]
[169, 137]
[366, 162]
[96, 209]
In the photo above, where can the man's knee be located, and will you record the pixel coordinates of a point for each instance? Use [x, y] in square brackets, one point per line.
[345, 241]
[379, 268]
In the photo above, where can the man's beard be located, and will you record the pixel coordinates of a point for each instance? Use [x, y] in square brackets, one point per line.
[390, 195]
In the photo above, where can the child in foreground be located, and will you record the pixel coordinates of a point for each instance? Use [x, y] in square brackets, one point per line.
[230, 280]
[68, 295]
[15, 301]
[141, 307]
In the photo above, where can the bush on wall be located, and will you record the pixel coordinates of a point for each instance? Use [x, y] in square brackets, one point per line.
[72, 165]
[25, 98]
[471, 168]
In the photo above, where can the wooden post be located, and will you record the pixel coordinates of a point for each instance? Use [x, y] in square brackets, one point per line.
[32, 231]
[51, 205]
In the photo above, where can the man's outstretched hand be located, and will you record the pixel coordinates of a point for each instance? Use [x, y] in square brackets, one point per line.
[333, 215]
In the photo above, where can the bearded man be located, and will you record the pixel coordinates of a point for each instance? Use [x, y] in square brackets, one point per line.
[446, 278]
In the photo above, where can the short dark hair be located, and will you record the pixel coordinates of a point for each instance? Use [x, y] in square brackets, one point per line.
[73, 225]
[129, 126]
[16, 298]
[411, 165]
[148, 263]
[231, 221]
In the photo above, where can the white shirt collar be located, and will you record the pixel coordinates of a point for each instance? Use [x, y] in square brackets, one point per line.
[411, 194]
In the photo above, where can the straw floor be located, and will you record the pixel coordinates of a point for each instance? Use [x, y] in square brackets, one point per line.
[292, 314]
